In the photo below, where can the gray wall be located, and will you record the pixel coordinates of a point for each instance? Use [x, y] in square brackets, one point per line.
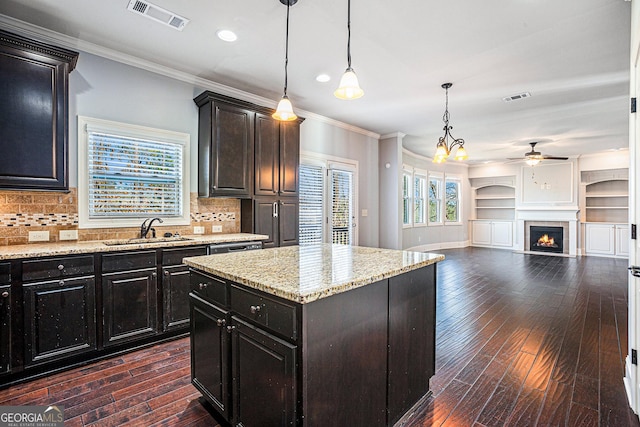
[106, 89]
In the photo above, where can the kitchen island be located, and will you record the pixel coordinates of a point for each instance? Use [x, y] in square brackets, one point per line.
[313, 335]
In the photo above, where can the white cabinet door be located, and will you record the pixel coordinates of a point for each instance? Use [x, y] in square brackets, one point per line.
[481, 233]
[600, 239]
[622, 240]
[502, 233]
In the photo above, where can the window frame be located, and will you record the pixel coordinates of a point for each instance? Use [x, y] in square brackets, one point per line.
[440, 205]
[407, 197]
[458, 180]
[423, 175]
[87, 124]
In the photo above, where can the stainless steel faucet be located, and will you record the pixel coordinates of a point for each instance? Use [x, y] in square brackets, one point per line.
[145, 228]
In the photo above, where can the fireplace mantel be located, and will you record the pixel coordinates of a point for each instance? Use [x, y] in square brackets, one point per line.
[568, 214]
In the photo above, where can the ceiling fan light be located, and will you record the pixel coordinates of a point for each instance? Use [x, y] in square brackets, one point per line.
[284, 112]
[349, 87]
[532, 162]
[461, 154]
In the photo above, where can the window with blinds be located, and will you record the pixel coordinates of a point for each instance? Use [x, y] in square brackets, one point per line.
[132, 177]
[127, 173]
[311, 215]
[342, 206]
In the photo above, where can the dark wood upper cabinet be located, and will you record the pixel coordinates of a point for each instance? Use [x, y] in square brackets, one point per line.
[277, 156]
[34, 113]
[289, 158]
[225, 146]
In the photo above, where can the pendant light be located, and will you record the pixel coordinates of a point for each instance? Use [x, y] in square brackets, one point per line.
[284, 112]
[349, 87]
[444, 146]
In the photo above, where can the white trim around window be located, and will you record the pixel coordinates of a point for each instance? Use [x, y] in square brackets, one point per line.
[157, 166]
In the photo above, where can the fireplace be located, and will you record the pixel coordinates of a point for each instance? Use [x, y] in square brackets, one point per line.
[546, 239]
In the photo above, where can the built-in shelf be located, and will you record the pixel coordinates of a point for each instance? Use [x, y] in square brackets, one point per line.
[605, 197]
[495, 201]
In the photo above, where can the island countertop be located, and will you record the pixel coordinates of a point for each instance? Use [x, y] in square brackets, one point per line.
[307, 273]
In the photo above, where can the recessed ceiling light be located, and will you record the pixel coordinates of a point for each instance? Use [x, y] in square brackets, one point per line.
[323, 78]
[227, 35]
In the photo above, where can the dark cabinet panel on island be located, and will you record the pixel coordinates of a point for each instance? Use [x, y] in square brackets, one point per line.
[264, 377]
[209, 353]
[34, 113]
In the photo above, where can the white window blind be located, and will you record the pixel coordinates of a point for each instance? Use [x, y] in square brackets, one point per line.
[311, 216]
[130, 177]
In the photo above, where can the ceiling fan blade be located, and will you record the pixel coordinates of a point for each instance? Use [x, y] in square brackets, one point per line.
[554, 158]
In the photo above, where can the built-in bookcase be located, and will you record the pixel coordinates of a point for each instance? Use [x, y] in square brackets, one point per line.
[495, 202]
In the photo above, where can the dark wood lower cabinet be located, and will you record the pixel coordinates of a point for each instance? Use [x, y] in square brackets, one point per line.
[175, 291]
[59, 318]
[5, 329]
[209, 354]
[274, 217]
[130, 307]
[264, 377]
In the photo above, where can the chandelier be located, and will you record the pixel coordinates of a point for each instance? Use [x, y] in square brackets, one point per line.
[447, 143]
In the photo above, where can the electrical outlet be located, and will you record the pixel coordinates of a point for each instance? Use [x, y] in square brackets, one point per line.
[68, 235]
[216, 229]
[198, 229]
[38, 236]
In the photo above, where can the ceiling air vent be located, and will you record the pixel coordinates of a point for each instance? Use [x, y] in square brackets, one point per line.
[516, 97]
[158, 14]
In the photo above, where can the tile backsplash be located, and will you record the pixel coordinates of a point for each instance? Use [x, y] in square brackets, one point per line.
[24, 211]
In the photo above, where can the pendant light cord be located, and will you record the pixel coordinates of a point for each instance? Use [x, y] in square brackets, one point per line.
[286, 50]
[349, 33]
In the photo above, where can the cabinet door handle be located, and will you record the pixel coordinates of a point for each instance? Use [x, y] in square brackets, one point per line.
[5, 294]
[61, 267]
[154, 274]
[275, 209]
[202, 285]
[230, 328]
[221, 322]
[255, 309]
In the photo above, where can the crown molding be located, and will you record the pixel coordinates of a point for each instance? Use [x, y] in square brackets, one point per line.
[48, 36]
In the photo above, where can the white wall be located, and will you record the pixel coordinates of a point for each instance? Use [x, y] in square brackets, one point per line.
[390, 188]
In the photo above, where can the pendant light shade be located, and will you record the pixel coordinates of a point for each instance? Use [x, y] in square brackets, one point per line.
[349, 87]
[284, 111]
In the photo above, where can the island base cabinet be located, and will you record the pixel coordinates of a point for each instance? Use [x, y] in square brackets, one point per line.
[345, 358]
[209, 354]
[264, 379]
[411, 332]
[59, 318]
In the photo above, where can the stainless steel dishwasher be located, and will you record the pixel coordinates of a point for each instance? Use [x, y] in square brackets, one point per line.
[222, 248]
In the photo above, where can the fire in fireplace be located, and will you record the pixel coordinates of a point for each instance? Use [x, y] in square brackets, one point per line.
[546, 239]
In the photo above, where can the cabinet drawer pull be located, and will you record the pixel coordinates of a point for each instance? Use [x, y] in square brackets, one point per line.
[61, 267]
[202, 285]
[61, 283]
[166, 273]
[5, 294]
[230, 328]
[221, 322]
[255, 309]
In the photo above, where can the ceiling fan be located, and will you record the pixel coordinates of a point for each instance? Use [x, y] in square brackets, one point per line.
[534, 157]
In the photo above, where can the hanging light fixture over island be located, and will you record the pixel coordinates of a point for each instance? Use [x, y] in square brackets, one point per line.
[284, 112]
[349, 87]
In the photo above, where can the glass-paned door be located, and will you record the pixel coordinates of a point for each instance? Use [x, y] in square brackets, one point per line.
[342, 215]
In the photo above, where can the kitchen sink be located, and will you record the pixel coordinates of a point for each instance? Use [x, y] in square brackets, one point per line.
[139, 241]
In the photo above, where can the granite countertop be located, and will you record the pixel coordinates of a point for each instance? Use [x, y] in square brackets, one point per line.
[307, 273]
[34, 250]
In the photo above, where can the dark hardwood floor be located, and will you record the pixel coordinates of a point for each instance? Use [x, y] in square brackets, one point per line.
[521, 340]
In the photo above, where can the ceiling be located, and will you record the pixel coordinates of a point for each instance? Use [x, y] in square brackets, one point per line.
[572, 56]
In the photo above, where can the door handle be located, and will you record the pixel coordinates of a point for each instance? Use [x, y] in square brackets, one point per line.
[635, 270]
[275, 209]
